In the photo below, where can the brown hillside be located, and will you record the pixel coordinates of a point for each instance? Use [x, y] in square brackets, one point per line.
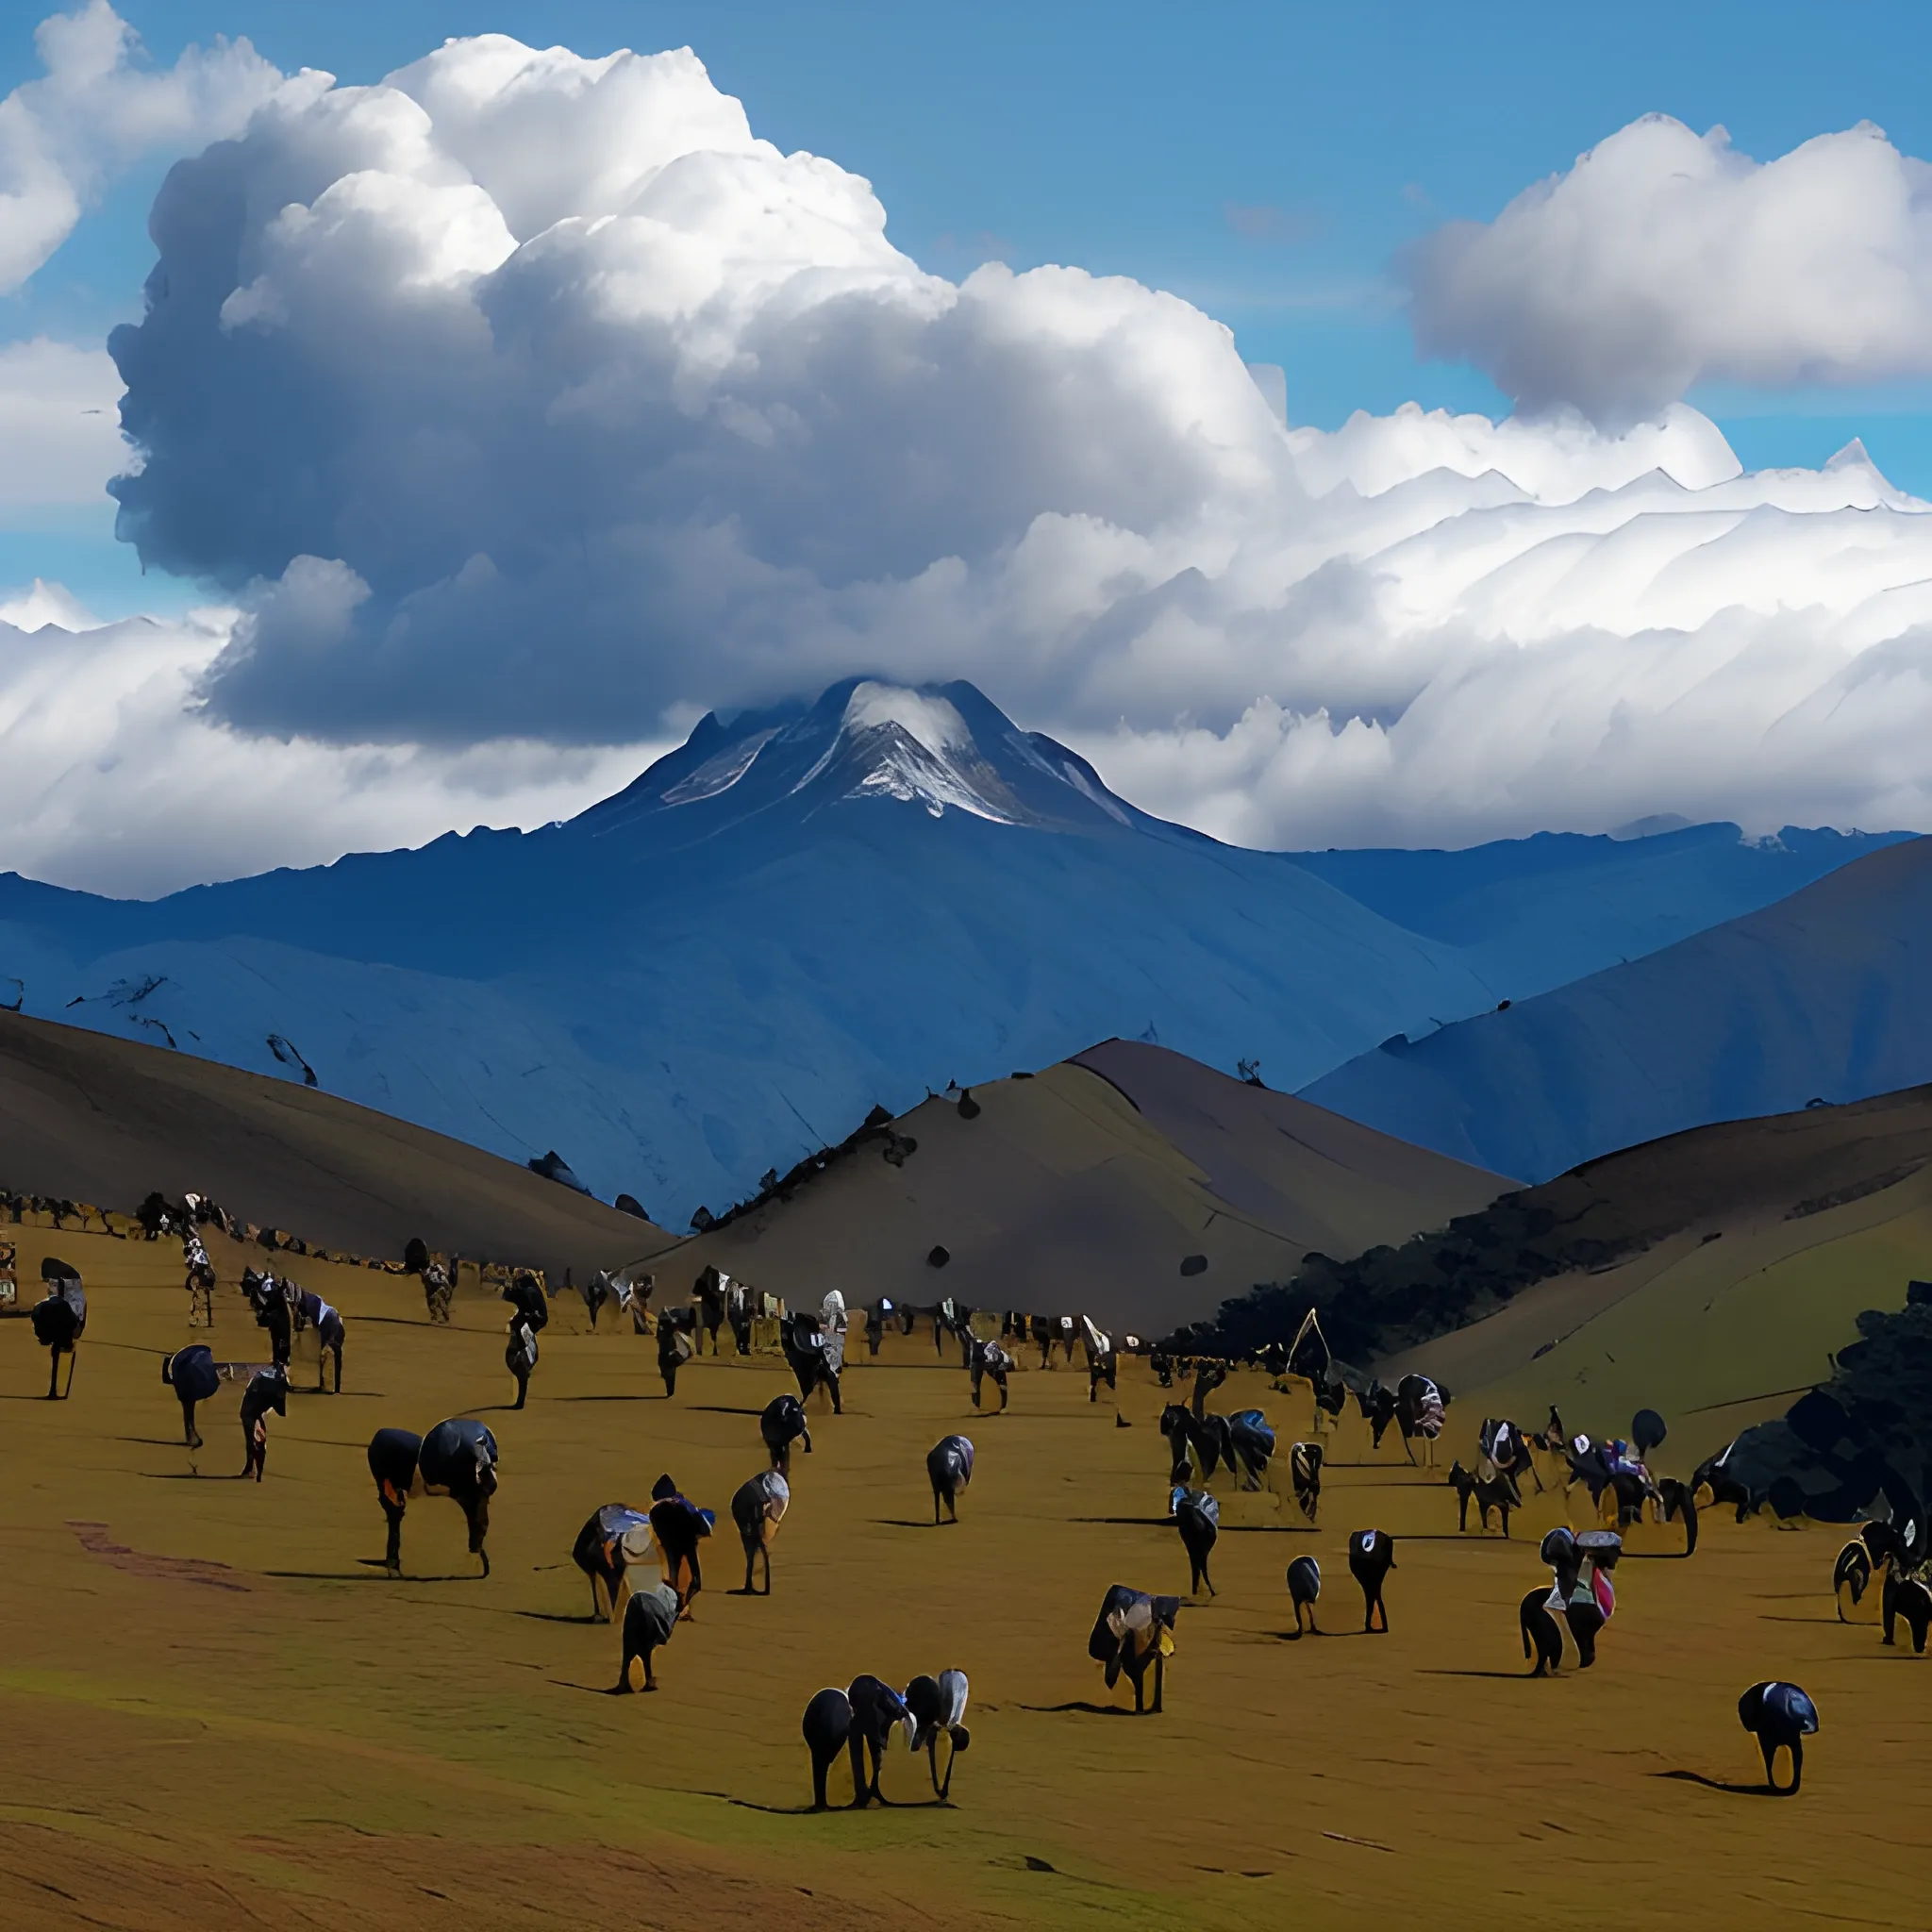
[1086, 1188]
[90, 1118]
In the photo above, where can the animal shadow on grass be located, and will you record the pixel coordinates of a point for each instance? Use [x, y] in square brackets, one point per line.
[188, 1476]
[373, 1571]
[907, 1523]
[1718, 1784]
[1081, 1705]
[1505, 1676]
[833, 1810]
[556, 1617]
[720, 1409]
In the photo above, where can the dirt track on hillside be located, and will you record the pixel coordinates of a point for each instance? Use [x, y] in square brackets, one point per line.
[220, 1713]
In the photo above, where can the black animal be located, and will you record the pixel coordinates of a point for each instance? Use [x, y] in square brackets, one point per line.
[1713, 1475]
[267, 1394]
[679, 1526]
[194, 1376]
[1541, 1629]
[1647, 1431]
[1134, 1632]
[949, 1467]
[1581, 1566]
[876, 1707]
[828, 1730]
[1371, 1557]
[1508, 1450]
[738, 1311]
[1303, 1591]
[1875, 1550]
[312, 1311]
[1378, 1404]
[782, 1424]
[1304, 1477]
[520, 1356]
[987, 1361]
[270, 1302]
[709, 1291]
[525, 1296]
[876, 1327]
[805, 1348]
[614, 1538]
[1780, 1717]
[1498, 1493]
[649, 1619]
[59, 1318]
[1418, 1406]
[1197, 1516]
[675, 1328]
[938, 1708]
[757, 1507]
[439, 1292]
[458, 1460]
[1905, 1595]
[1676, 1499]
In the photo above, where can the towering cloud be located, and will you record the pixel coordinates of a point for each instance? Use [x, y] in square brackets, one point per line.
[524, 405]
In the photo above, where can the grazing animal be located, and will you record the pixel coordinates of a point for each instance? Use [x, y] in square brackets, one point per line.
[1197, 1516]
[1043, 1334]
[1249, 1445]
[1506, 1447]
[782, 1424]
[938, 1708]
[1875, 1550]
[200, 1282]
[1134, 1632]
[1305, 1590]
[1497, 1492]
[615, 1539]
[949, 1467]
[810, 1357]
[1780, 1717]
[439, 1292]
[526, 1295]
[828, 1729]
[649, 1619]
[988, 1360]
[757, 1507]
[679, 1526]
[192, 1374]
[710, 1289]
[312, 1311]
[1905, 1595]
[1304, 1477]
[599, 1292]
[267, 1392]
[520, 1356]
[1418, 1406]
[1103, 1362]
[674, 1346]
[1647, 1431]
[270, 1302]
[1541, 1630]
[458, 1460]
[1676, 1499]
[876, 1707]
[876, 1325]
[1713, 1474]
[59, 1318]
[1371, 1557]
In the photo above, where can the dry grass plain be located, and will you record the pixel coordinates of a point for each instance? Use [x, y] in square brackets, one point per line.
[220, 1714]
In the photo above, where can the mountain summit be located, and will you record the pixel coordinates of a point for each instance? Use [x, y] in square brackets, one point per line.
[805, 911]
[945, 747]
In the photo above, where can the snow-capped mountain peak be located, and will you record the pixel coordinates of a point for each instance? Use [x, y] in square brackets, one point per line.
[943, 748]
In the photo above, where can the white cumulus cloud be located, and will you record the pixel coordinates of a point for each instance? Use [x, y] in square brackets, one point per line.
[97, 110]
[523, 405]
[1664, 258]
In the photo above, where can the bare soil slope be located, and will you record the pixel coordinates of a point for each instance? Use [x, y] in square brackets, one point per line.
[221, 1716]
[90, 1118]
[1090, 1187]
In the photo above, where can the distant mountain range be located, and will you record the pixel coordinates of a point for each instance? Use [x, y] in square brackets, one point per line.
[803, 912]
[1821, 997]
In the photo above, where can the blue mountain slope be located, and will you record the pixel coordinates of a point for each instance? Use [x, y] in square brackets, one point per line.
[1822, 996]
[793, 916]
[1530, 914]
